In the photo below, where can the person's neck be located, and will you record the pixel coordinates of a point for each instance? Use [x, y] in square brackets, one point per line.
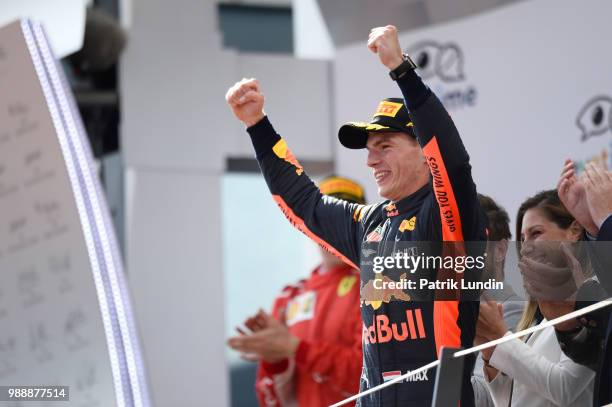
[410, 191]
[328, 266]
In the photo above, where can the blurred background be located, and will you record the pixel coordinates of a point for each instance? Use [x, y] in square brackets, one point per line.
[203, 243]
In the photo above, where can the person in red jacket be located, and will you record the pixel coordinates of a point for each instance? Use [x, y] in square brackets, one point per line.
[309, 348]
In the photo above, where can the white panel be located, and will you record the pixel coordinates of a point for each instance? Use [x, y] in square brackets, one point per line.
[311, 37]
[175, 272]
[173, 81]
[297, 102]
[125, 13]
[531, 74]
[54, 313]
[269, 3]
[444, 10]
[257, 262]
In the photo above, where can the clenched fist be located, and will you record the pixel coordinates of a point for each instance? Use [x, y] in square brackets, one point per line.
[246, 100]
[384, 42]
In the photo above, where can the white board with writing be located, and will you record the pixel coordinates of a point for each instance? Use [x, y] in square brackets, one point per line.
[64, 313]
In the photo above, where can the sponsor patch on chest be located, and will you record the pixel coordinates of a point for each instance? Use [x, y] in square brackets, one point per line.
[301, 308]
[408, 224]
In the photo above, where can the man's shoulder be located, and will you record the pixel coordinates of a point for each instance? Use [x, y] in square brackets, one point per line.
[291, 290]
[369, 213]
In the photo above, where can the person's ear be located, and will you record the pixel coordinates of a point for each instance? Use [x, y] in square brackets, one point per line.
[501, 250]
[575, 231]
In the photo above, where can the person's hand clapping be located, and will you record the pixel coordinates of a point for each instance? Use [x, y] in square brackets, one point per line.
[269, 340]
[598, 190]
[490, 325]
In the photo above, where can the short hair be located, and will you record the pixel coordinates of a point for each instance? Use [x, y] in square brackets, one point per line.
[498, 220]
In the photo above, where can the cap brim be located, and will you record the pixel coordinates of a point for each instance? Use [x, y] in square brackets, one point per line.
[354, 135]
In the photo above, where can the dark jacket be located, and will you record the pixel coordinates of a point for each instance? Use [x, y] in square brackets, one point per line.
[591, 345]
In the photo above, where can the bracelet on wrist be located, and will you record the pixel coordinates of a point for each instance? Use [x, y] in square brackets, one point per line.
[403, 68]
[486, 363]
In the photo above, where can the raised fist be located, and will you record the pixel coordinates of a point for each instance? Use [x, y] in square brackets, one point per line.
[246, 100]
[384, 42]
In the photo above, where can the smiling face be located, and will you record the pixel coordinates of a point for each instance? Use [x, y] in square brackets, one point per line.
[538, 228]
[398, 164]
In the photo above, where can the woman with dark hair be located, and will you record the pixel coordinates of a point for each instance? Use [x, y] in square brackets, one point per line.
[535, 372]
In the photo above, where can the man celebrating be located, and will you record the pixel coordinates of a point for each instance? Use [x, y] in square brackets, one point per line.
[423, 171]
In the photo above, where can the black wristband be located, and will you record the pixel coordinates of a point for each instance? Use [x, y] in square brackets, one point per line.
[405, 67]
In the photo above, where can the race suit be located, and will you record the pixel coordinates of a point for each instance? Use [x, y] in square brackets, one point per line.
[323, 312]
[399, 336]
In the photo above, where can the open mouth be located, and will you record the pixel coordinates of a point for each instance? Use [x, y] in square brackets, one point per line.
[381, 176]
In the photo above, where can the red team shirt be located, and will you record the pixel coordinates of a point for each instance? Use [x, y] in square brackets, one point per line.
[323, 312]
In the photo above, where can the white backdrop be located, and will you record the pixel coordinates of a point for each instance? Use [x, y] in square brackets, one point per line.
[515, 81]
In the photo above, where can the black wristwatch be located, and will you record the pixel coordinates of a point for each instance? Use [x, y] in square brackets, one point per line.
[403, 68]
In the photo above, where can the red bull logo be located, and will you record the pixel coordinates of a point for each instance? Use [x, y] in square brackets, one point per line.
[374, 297]
[382, 330]
[391, 210]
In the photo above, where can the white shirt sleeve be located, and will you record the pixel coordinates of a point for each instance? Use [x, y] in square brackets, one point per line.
[560, 382]
[500, 388]
[482, 395]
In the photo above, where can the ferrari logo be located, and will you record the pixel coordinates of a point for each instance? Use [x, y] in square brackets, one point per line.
[345, 285]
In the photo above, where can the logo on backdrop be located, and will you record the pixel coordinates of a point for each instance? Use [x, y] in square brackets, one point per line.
[444, 62]
[595, 117]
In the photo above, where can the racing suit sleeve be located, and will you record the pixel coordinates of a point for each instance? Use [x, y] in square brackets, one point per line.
[460, 215]
[332, 223]
[274, 384]
[448, 161]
